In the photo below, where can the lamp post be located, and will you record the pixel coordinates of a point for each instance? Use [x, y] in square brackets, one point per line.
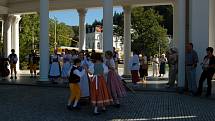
[55, 32]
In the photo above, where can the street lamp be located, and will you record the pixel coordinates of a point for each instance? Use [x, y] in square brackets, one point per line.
[55, 32]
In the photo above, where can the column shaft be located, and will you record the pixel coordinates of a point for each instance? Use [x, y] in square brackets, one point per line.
[44, 40]
[82, 29]
[7, 35]
[15, 37]
[127, 39]
[107, 25]
[181, 41]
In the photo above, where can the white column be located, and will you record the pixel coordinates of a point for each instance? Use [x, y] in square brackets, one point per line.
[127, 38]
[107, 25]
[15, 37]
[212, 23]
[174, 42]
[44, 40]
[7, 35]
[180, 6]
[202, 26]
[82, 29]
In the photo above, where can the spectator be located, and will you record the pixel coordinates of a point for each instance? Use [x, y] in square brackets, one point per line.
[143, 67]
[155, 63]
[191, 60]
[13, 60]
[208, 67]
[163, 61]
[173, 70]
[32, 61]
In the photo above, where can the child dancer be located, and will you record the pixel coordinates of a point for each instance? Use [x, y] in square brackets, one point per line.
[74, 79]
[113, 80]
[100, 96]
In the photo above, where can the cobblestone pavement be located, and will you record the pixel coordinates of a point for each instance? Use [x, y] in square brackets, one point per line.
[30, 103]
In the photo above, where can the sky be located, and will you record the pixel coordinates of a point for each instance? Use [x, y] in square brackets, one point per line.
[70, 17]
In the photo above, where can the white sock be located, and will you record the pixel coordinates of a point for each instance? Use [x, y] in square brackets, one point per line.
[75, 103]
[95, 109]
[69, 103]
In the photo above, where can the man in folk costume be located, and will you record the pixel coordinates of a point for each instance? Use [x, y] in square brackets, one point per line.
[55, 69]
[134, 65]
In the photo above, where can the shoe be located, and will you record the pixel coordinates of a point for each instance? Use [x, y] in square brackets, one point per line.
[11, 77]
[69, 107]
[117, 105]
[31, 76]
[104, 110]
[95, 114]
[54, 82]
[15, 77]
[197, 94]
[207, 95]
[76, 108]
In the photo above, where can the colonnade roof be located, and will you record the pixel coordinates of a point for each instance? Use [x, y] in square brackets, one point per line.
[27, 6]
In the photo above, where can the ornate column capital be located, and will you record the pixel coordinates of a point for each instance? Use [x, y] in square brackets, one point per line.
[82, 11]
[16, 18]
[127, 9]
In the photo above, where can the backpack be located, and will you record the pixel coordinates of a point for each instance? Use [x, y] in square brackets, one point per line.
[73, 78]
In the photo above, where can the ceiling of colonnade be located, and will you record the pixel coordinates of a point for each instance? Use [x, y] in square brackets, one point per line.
[25, 6]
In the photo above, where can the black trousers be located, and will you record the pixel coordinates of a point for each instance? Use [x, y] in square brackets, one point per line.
[206, 74]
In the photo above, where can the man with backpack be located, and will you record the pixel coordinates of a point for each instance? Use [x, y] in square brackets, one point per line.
[13, 60]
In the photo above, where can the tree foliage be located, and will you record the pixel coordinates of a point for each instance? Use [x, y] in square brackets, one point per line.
[29, 34]
[148, 33]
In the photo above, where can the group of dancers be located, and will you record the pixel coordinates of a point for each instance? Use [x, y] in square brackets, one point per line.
[90, 76]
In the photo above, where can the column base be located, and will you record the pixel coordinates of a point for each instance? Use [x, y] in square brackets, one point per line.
[44, 79]
[126, 76]
[180, 90]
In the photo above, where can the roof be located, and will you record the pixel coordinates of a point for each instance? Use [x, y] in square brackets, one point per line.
[27, 6]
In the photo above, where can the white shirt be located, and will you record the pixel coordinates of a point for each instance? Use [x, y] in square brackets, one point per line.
[134, 63]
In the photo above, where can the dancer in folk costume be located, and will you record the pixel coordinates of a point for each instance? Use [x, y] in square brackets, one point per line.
[74, 56]
[55, 69]
[84, 83]
[114, 81]
[66, 65]
[134, 66]
[100, 96]
[75, 75]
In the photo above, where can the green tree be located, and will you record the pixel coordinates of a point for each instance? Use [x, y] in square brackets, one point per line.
[64, 33]
[118, 21]
[148, 33]
[29, 35]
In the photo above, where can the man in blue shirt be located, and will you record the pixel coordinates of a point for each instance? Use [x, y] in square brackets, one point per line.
[191, 60]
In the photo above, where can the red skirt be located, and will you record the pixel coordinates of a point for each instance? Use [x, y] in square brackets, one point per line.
[115, 85]
[135, 76]
[99, 92]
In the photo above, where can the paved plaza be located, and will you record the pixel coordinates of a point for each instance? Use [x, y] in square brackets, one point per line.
[33, 103]
[25, 99]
